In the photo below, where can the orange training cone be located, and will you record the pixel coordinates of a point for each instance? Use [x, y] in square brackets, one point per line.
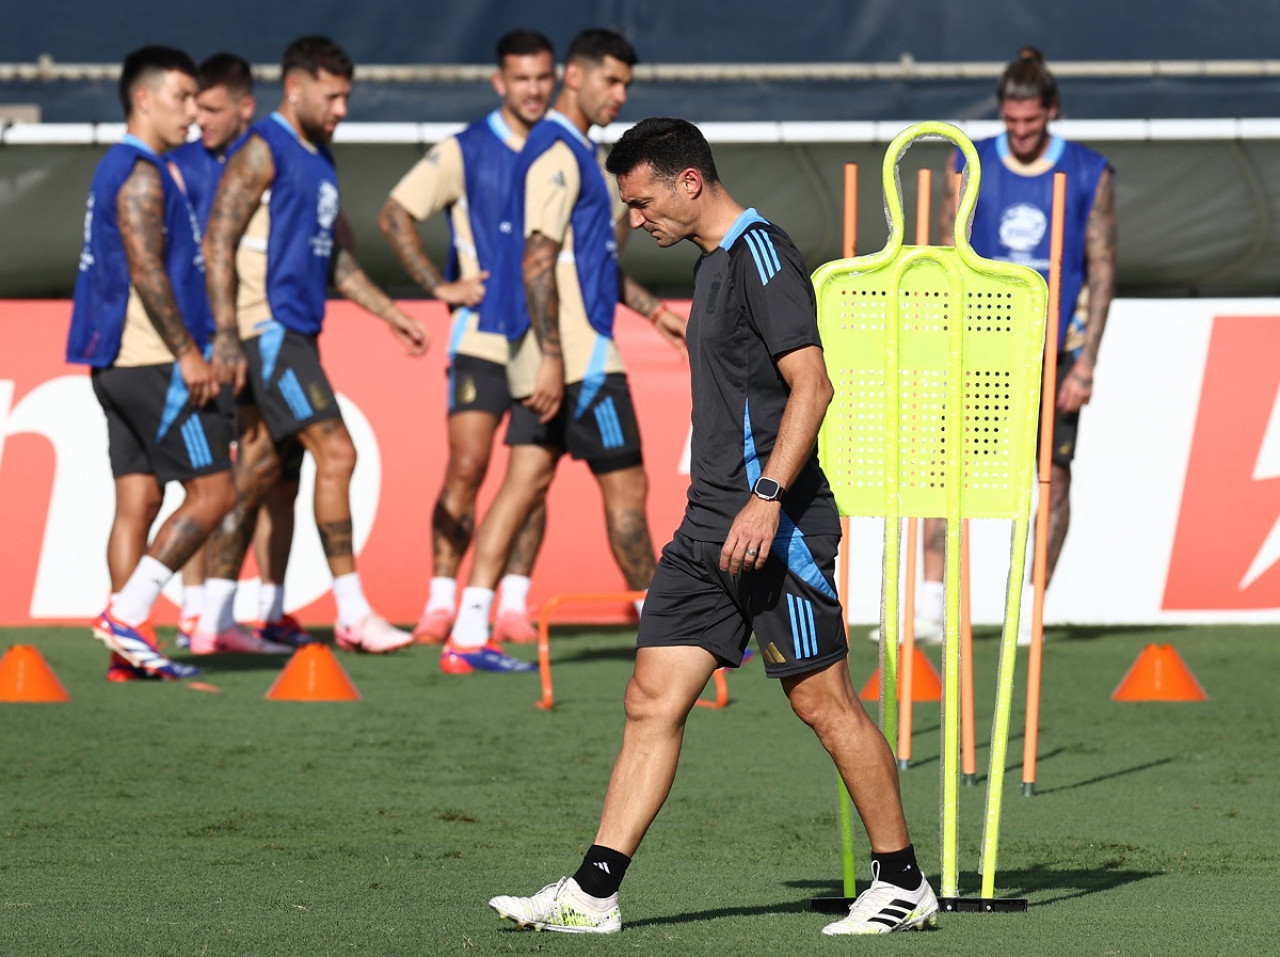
[925, 683]
[313, 674]
[1159, 674]
[25, 676]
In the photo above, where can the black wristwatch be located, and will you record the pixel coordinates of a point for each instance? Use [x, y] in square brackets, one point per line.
[767, 489]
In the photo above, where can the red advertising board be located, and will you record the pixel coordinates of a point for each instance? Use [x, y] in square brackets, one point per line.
[56, 493]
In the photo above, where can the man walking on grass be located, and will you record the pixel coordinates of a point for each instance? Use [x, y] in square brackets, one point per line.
[755, 553]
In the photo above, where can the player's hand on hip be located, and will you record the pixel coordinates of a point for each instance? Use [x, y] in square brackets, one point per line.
[750, 537]
[198, 375]
[463, 292]
[548, 389]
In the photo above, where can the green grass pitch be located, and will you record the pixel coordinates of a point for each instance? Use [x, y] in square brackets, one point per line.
[150, 818]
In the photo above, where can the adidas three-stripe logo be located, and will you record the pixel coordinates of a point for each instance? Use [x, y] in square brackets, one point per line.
[603, 865]
[804, 634]
[762, 251]
[893, 913]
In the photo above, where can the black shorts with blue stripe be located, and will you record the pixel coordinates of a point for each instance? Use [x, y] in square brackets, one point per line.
[152, 428]
[286, 380]
[790, 604]
[596, 423]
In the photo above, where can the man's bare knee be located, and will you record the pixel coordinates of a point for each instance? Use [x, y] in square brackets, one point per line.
[646, 702]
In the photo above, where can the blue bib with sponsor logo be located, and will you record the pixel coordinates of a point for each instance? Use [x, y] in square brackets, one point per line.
[304, 207]
[1011, 221]
[103, 282]
[595, 247]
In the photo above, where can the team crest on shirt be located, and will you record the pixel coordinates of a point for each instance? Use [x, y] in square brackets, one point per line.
[327, 205]
[1022, 226]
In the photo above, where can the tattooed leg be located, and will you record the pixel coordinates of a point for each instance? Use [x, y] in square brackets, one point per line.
[1059, 515]
[624, 505]
[528, 543]
[935, 549]
[273, 532]
[454, 518]
[209, 497]
[138, 499]
[257, 470]
[524, 488]
[330, 445]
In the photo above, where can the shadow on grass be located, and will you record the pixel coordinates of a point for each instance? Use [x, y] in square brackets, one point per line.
[1107, 777]
[981, 778]
[782, 907]
[1060, 884]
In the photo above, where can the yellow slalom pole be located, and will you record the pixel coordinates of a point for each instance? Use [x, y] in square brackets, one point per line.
[844, 803]
[1048, 402]
[968, 747]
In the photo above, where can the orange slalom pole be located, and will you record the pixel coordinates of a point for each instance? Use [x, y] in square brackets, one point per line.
[968, 728]
[1049, 398]
[906, 661]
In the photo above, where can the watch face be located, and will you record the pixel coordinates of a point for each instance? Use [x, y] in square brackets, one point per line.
[767, 488]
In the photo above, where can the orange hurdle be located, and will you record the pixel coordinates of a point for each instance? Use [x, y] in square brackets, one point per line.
[547, 701]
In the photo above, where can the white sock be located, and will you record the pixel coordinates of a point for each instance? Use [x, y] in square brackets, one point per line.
[133, 605]
[444, 594]
[515, 594]
[471, 629]
[931, 601]
[270, 602]
[352, 605]
[192, 600]
[218, 613]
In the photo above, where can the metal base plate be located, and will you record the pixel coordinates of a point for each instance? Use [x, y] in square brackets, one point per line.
[831, 905]
[982, 905]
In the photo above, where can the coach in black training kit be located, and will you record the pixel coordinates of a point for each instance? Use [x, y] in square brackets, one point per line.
[756, 551]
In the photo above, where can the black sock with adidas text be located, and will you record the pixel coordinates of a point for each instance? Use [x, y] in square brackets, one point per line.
[897, 867]
[602, 871]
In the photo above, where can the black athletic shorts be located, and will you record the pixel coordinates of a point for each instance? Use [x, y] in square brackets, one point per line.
[790, 604]
[478, 385]
[286, 381]
[596, 422]
[1065, 424]
[152, 428]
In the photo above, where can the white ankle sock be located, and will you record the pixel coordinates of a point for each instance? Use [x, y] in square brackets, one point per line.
[218, 613]
[192, 600]
[444, 594]
[931, 601]
[471, 630]
[133, 605]
[515, 593]
[352, 605]
[270, 602]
